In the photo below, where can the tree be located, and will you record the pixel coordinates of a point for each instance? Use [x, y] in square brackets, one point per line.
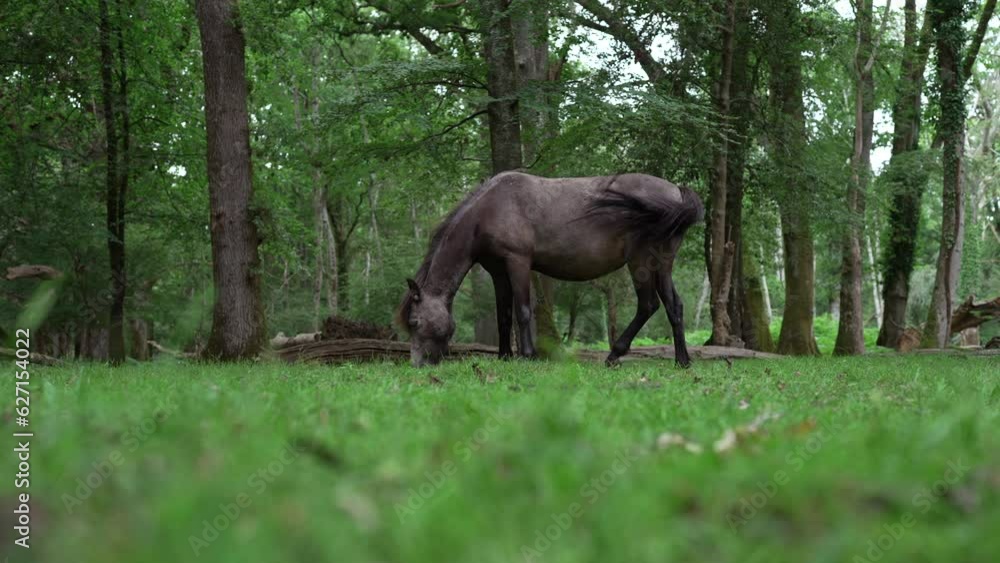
[115, 191]
[787, 143]
[950, 37]
[501, 80]
[907, 178]
[237, 319]
[850, 330]
[723, 250]
[949, 33]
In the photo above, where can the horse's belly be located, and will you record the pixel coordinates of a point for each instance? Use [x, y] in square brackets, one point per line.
[580, 262]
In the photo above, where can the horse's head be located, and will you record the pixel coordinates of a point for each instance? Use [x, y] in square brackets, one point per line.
[428, 320]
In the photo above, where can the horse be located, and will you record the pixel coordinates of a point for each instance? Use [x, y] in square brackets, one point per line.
[573, 229]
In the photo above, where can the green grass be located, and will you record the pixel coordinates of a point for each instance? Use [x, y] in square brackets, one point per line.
[824, 327]
[856, 446]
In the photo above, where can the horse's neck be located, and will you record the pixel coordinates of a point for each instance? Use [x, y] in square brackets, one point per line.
[451, 261]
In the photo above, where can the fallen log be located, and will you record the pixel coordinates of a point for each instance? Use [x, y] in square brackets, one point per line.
[366, 349]
[32, 271]
[33, 357]
[342, 328]
[281, 341]
[667, 353]
[970, 314]
[156, 346]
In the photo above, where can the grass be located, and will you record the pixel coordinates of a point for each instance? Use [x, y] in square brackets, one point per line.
[480, 464]
[824, 328]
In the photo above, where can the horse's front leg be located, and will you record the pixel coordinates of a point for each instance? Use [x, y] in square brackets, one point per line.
[501, 287]
[519, 273]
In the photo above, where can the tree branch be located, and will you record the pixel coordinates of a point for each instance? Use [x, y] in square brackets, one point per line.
[878, 39]
[454, 126]
[977, 39]
[454, 4]
[617, 29]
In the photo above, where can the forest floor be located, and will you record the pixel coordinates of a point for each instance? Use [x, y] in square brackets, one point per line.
[886, 458]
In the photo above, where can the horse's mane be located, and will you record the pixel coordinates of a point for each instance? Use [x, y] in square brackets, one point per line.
[437, 238]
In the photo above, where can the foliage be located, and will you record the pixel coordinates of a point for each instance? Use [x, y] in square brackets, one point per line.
[346, 101]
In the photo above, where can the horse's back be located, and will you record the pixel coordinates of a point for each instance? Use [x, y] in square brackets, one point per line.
[539, 189]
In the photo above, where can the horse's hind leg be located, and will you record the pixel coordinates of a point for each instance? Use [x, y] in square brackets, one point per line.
[675, 312]
[519, 273]
[646, 306]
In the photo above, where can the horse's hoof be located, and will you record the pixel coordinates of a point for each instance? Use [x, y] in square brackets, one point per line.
[613, 362]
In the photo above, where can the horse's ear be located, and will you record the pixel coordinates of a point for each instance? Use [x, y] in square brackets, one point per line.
[414, 288]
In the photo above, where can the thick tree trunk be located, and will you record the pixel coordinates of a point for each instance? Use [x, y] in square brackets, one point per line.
[906, 179]
[741, 110]
[501, 78]
[949, 18]
[723, 250]
[114, 183]
[850, 330]
[484, 302]
[531, 50]
[787, 152]
[545, 315]
[238, 319]
[757, 307]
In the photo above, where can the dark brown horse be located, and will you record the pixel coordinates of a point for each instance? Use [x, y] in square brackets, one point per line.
[567, 228]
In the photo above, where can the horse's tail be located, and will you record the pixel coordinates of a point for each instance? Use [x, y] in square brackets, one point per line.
[650, 219]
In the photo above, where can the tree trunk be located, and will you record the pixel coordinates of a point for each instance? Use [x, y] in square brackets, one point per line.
[741, 110]
[501, 78]
[949, 17]
[238, 330]
[612, 310]
[544, 317]
[141, 334]
[723, 250]
[531, 53]
[341, 270]
[906, 179]
[876, 282]
[574, 313]
[484, 302]
[320, 266]
[851, 328]
[116, 181]
[706, 289]
[757, 307]
[787, 152]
